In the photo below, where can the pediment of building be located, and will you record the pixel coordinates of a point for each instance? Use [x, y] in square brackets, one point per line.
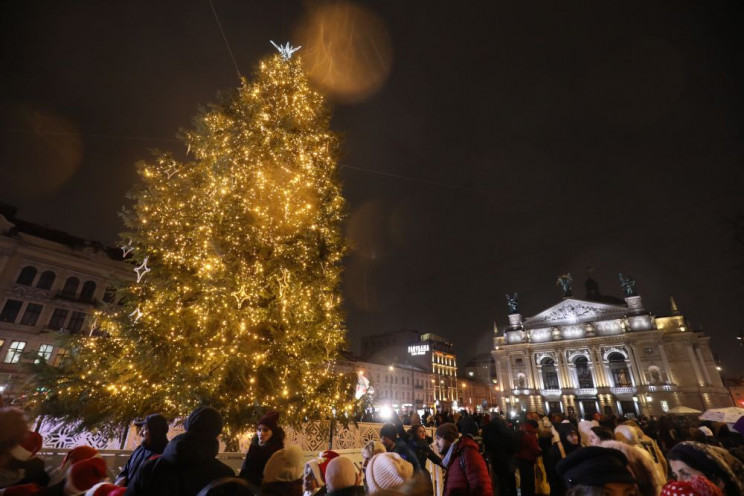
[574, 311]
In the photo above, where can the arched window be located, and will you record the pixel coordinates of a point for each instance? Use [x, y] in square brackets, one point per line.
[46, 280]
[27, 275]
[549, 374]
[70, 287]
[654, 375]
[583, 373]
[619, 370]
[89, 288]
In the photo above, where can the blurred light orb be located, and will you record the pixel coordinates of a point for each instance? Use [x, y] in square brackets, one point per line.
[386, 412]
[346, 51]
[39, 150]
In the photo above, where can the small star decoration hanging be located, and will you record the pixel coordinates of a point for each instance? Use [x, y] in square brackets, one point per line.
[127, 249]
[136, 315]
[240, 296]
[142, 270]
[286, 51]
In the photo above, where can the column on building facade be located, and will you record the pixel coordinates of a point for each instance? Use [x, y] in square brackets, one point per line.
[509, 371]
[600, 368]
[665, 362]
[695, 367]
[532, 383]
[706, 374]
[591, 364]
[636, 378]
[563, 372]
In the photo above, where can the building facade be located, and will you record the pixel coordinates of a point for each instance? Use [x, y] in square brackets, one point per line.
[49, 283]
[603, 354]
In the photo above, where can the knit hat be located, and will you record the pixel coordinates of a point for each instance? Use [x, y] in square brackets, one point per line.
[27, 448]
[320, 464]
[626, 434]
[372, 448]
[387, 471]
[284, 465]
[22, 490]
[79, 453]
[594, 466]
[156, 424]
[205, 421]
[340, 474]
[389, 431]
[103, 489]
[447, 431]
[270, 420]
[706, 430]
[83, 475]
[697, 486]
[715, 463]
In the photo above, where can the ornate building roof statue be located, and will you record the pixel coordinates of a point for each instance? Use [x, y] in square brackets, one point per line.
[565, 281]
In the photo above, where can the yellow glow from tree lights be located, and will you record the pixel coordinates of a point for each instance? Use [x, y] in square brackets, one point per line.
[241, 307]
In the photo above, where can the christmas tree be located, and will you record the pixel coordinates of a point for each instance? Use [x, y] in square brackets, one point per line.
[235, 299]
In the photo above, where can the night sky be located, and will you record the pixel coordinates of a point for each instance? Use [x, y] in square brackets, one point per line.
[488, 148]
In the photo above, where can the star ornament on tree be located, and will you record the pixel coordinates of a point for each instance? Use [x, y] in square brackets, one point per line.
[127, 249]
[142, 270]
[286, 50]
[136, 315]
[240, 296]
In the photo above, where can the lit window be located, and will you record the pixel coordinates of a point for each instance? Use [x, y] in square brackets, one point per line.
[45, 353]
[27, 276]
[14, 352]
[76, 321]
[58, 318]
[60, 357]
[31, 315]
[10, 311]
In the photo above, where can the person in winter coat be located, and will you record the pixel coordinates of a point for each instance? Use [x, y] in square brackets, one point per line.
[467, 424]
[597, 471]
[188, 462]
[393, 444]
[283, 473]
[268, 440]
[467, 473]
[689, 459]
[649, 477]
[420, 446]
[568, 443]
[498, 442]
[153, 431]
[526, 457]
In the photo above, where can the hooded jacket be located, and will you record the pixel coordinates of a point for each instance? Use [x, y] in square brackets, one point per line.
[529, 449]
[467, 473]
[188, 462]
[186, 466]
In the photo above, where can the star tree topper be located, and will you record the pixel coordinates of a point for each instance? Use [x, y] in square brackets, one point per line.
[286, 50]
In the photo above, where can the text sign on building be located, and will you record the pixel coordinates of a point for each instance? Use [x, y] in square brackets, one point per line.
[418, 349]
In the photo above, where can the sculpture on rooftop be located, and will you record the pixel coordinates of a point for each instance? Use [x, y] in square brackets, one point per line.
[628, 284]
[512, 301]
[565, 282]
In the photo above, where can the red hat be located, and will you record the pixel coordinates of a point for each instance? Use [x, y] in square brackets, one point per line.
[22, 490]
[79, 453]
[84, 474]
[105, 489]
[119, 491]
[270, 420]
[697, 486]
[319, 465]
[27, 448]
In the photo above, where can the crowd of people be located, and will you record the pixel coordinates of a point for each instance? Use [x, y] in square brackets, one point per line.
[479, 455]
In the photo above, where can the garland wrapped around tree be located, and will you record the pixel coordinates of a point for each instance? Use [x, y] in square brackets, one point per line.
[235, 299]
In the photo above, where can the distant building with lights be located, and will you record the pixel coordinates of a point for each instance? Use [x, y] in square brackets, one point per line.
[436, 356]
[607, 355]
[49, 283]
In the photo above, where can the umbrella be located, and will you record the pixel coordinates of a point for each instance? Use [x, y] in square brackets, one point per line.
[683, 410]
[729, 415]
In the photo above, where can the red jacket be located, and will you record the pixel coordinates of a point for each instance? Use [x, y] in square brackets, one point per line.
[467, 474]
[529, 448]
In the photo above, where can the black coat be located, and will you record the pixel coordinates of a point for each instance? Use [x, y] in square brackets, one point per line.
[423, 452]
[258, 455]
[498, 441]
[186, 466]
[139, 457]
